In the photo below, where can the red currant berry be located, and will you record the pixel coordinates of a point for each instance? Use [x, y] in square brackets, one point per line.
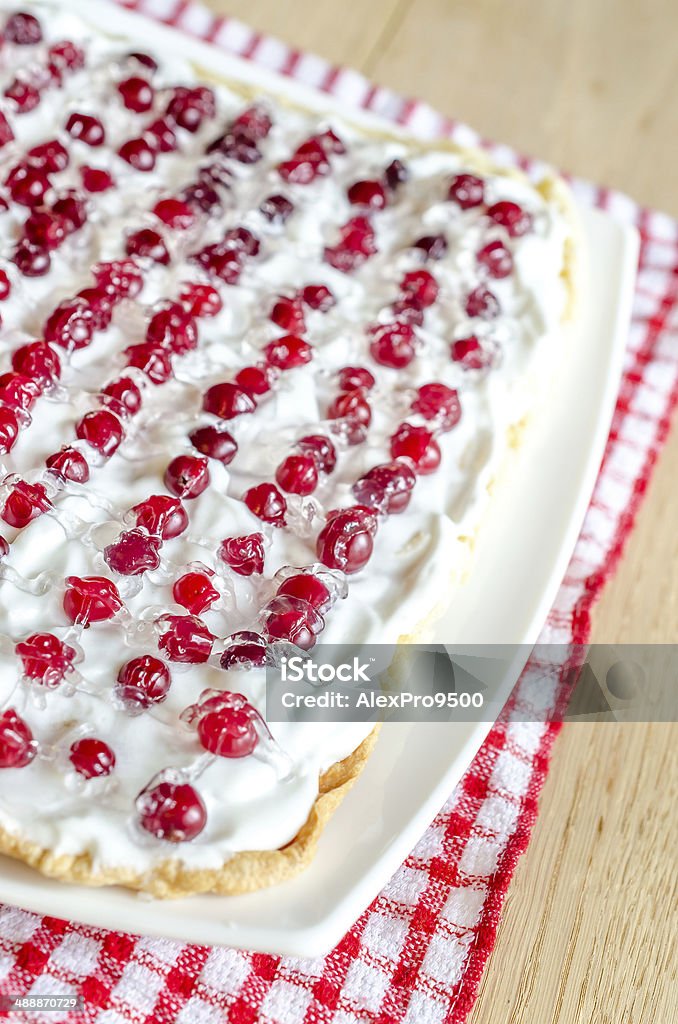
[143, 681]
[92, 758]
[418, 445]
[187, 476]
[245, 555]
[91, 599]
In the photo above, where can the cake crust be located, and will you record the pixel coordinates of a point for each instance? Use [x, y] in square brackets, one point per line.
[246, 871]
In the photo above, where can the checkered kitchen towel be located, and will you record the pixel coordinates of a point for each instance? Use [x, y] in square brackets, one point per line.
[417, 953]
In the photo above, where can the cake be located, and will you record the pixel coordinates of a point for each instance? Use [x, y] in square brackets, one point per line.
[260, 369]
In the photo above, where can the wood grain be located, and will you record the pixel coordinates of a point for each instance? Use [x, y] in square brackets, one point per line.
[588, 931]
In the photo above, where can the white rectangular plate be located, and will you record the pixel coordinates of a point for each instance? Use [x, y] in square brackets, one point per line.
[524, 551]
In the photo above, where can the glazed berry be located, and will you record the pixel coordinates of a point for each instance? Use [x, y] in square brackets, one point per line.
[65, 56]
[319, 297]
[292, 620]
[51, 156]
[24, 503]
[152, 360]
[27, 185]
[137, 94]
[467, 191]
[408, 310]
[32, 260]
[72, 210]
[254, 121]
[496, 259]
[202, 196]
[120, 278]
[173, 328]
[161, 136]
[267, 503]
[186, 639]
[18, 391]
[187, 476]
[227, 401]
[331, 142]
[46, 659]
[246, 650]
[483, 303]
[122, 396]
[289, 314]
[470, 353]
[386, 488]
[6, 133]
[194, 592]
[92, 758]
[321, 450]
[418, 445]
[143, 681]
[308, 162]
[148, 243]
[9, 429]
[17, 745]
[346, 541]
[356, 244]
[439, 403]
[190, 107]
[175, 213]
[87, 129]
[393, 345]
[69, 464]
[255, 380]
[170, 811]
[91, 599]
[39, 361]
[23, 29]
[432, 247]
[368, 193]
[138, 154]
[511, 216]
[215, 443]
[244, 240]
[200, 299]
[297, 474]
[161, 516]
[70, 325]
[288, 352]
[102, 430]
[352, 378]
[245, 555]
[353, 409]
[44, 230]
[421, 286]
[396, 174]
[226, 726]
[133, 553]
[277, 209]
[173, 812]
[23, 96]
[100, 306]
[307, 587]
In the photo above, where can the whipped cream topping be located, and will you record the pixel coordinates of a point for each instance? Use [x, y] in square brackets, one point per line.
[259, 801]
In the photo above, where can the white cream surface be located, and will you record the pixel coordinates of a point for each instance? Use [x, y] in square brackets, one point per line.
[250, 803]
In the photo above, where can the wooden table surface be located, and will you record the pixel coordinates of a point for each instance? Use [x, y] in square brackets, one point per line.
[588, 930]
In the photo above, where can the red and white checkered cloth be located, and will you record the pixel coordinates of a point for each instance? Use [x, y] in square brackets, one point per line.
[417, 953]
